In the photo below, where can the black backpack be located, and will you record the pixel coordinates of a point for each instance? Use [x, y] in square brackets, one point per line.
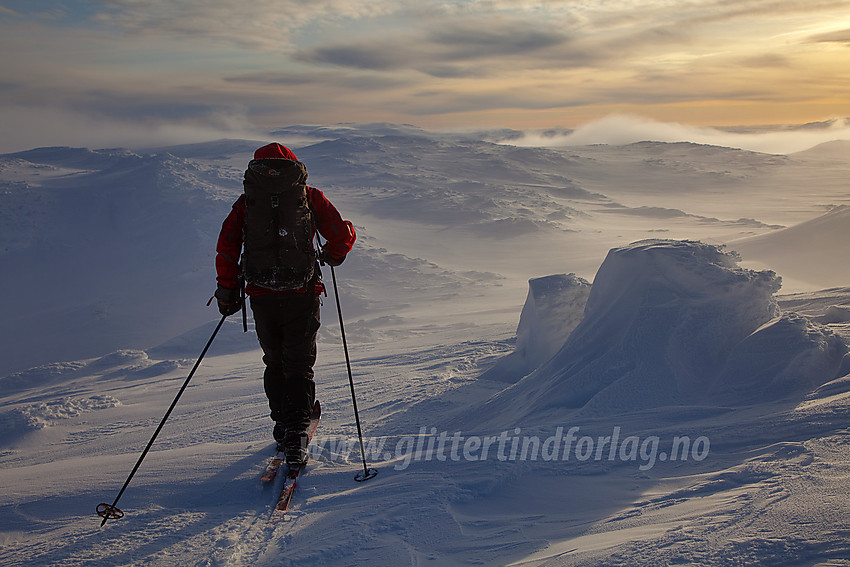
[278, 231]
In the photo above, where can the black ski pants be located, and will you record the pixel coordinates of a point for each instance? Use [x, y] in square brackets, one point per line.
[287, 325]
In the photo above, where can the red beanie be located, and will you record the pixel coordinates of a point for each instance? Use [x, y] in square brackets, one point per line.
[274, 150]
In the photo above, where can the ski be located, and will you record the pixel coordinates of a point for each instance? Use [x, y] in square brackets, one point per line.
[272, 468]
[291, 479]
[286, 493]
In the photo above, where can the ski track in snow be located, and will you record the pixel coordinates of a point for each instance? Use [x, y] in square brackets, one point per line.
[451, 230]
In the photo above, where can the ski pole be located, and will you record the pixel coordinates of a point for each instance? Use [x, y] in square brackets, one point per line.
[110, 511]
[367, 472]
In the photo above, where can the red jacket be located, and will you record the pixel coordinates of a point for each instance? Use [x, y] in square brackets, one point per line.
[339, 233]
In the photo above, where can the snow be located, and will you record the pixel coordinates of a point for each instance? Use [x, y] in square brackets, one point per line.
[553, 308]
[676, 323]
[803, 251]
[688, 407]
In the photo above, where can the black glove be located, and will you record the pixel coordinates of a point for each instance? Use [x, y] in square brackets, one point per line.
[229, 300]
[326, 258]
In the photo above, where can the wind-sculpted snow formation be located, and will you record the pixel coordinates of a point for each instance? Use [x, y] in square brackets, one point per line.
[679, 323]
[553, 308]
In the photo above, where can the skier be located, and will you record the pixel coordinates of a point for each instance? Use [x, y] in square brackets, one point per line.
[276, 220]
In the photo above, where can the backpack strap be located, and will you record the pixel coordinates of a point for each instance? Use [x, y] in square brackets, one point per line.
[244, 309]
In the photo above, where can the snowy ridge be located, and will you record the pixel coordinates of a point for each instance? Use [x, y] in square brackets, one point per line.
[416, 179]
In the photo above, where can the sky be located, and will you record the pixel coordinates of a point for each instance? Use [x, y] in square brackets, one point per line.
[129, 72]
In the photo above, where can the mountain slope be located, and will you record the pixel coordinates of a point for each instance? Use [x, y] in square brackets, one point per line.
[812, 251]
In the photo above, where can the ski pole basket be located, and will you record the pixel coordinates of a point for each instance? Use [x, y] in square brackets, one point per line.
[366, 475]
[109, 512]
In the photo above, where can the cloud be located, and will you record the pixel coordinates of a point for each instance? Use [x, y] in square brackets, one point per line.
[838, 36]
[481, 48]
[488, 39]
[693, 14]
[273, 78]
[261, 24]
[430, 102]
[464, 42]
[619, 129]
[377, 57]
[318, 80]
[26, 127]
[463, 62]
[765, 60]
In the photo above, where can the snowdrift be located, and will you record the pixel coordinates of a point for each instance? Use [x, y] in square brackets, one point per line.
[553, 308]
[809, 251]
[677, 323]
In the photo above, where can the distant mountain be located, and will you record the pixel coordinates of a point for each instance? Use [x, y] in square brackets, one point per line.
[451, 184]
[111, 248]
[837, 150]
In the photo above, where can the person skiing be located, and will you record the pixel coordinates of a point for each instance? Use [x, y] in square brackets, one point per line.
[266, 244]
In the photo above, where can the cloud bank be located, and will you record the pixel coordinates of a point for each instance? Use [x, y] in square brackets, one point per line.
[40, 126]
[622, 129]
